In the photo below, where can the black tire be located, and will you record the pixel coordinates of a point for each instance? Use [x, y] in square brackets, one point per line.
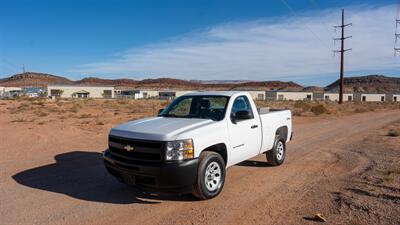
[200, 189]
[275, 156]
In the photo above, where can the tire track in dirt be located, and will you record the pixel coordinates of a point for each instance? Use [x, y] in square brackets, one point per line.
[290, 182]
[253, 193]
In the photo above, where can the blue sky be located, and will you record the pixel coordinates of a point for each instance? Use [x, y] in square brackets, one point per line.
[252, 40]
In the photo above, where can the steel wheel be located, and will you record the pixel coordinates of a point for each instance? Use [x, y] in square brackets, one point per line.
[280, 150]
[212, 176]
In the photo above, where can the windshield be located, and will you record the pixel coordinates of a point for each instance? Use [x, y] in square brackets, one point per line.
[205, 107]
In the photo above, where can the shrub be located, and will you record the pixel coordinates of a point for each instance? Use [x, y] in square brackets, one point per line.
[304, 106]
[74, 109]
[393, 133]
[19, 120]
[319, 109]
[42, 114]
[84, 116]
[36, 102]
[123, 101]
[296, 112]
[360, 110]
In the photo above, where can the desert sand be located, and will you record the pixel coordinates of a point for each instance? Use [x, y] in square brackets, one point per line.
[342, 164]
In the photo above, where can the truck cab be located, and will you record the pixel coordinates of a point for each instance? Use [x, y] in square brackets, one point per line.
[191, 143]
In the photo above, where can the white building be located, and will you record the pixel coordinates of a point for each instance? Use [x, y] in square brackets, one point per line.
[149, 94]
[73, 91]
[289, 95]
[257, 95]
[10, 91]
[369, 97]
[335, 97]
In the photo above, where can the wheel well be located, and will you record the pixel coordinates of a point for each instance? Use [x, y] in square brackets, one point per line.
[220, 149]
[283, 132]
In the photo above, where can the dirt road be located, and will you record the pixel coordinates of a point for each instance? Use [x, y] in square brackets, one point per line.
[53, 174]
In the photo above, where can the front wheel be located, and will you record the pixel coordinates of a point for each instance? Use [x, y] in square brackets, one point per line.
[210, 176]
[276, 155]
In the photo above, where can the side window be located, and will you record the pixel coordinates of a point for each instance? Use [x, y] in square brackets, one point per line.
[241, 103]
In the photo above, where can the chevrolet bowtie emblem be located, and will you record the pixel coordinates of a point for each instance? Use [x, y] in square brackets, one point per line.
[129, 148]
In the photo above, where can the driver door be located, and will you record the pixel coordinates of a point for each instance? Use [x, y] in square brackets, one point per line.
[245, 135]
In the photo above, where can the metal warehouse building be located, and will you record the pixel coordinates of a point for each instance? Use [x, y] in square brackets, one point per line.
[66, 91]
[393, 97]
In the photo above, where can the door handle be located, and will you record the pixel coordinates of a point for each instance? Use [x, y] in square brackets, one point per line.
[254, 126]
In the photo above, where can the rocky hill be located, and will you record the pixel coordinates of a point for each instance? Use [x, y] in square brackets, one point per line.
[370, 84]
[31, 79]
[106, 82]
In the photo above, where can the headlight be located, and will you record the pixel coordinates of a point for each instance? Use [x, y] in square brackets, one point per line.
[178, 150]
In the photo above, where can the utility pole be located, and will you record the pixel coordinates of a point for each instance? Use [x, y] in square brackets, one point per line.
[342, 51]
[397, 32]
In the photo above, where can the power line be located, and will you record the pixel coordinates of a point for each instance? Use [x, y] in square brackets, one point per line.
[9, 64]
[397, 31]
[323, 21]
[11, 71]
[342, 51]
[305, 24]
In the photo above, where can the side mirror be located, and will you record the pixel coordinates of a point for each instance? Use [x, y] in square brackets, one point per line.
[160, 110]
[242, 115]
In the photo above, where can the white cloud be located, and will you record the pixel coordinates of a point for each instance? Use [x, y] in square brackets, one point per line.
[279, 48]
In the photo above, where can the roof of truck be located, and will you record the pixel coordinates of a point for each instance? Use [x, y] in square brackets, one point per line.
[221, 93]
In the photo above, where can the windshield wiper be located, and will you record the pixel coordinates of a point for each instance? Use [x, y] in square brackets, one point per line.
[169, 115]
[200, 117]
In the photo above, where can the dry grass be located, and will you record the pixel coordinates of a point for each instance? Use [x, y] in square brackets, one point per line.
[85, 116]
[19, 120]
[390, 174]
[42, 114]
[319, 109]
[74, 109]
[315, 108]
[97, 111]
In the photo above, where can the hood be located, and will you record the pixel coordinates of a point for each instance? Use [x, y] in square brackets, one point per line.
[158, 128]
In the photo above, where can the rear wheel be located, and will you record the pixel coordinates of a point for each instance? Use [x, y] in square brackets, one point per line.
[210, 176]
[276, 156]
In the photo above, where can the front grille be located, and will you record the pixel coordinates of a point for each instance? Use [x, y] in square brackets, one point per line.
[143, 150]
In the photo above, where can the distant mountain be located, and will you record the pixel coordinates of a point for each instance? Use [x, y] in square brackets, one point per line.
[32, 79]
[370, 84]
[220, 81]
[313, 89]
[107, 82]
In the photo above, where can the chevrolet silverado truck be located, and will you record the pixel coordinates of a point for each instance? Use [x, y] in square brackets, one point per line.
[190, 144]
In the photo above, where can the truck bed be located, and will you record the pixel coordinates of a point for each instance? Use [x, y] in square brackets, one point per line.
[271, 121]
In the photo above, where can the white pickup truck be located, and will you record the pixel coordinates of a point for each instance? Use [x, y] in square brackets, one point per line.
[189, 145]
